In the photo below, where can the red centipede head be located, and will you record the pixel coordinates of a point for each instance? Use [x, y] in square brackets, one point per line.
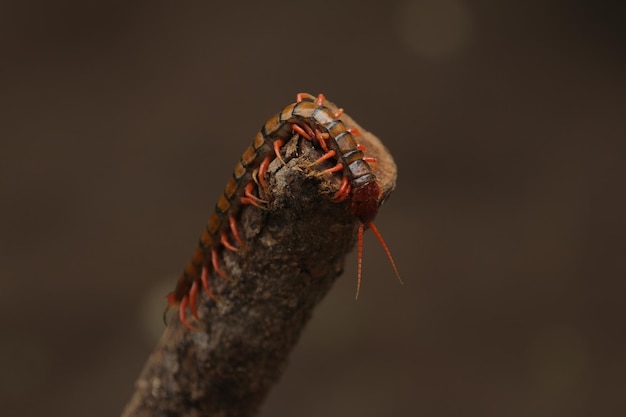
[363, 201]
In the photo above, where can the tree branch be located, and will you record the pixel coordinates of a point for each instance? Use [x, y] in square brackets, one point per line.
[293, 254]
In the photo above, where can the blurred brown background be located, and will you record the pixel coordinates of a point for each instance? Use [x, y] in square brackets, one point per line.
[121, 122]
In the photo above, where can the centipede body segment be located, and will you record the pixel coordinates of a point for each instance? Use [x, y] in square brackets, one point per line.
[311, 118]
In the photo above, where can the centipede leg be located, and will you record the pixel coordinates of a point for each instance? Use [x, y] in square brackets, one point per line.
[255, 176]
[204, 277]
[299, 130]
[336, 168]
[324, 157]
[262, 170]
[224, 241]
[369, 159]
[344, 190]
[193, 299]
[182, 313]
[338, 113]
[216, 264]
[355, 132]
[251, 198]
[233, 229]
[277, 145]
[320, 99]
[301, 96]
[321, 138]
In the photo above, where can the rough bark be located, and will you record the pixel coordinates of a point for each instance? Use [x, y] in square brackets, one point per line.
[293, 254]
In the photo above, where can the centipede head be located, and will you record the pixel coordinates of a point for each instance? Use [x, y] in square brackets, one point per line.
[363, 201]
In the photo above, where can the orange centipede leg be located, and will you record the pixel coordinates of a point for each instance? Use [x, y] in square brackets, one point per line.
[182, 313]
[371, 160]
[338, 113]
[343, 191]
[324, 157]
[224, 241]
[233, 229]
[320, 99]
[354, 132]
[277, 145]
[246, 200]
[216, 264]
[193, 299]
[321, 138]
[336, 168]
[255, 176]
[323, 135]
[251, 198]
[299, 130]
[262, 170]
[204, 277]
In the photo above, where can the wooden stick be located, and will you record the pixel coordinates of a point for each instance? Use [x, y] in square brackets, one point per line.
[293, 254]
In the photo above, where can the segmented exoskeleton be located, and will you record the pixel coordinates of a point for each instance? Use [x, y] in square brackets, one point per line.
[310, 118]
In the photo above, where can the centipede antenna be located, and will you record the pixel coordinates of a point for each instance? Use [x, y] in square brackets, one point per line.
[360, 261]
[384, 245]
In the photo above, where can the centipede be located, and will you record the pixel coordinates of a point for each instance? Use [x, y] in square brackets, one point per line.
[311, 118]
